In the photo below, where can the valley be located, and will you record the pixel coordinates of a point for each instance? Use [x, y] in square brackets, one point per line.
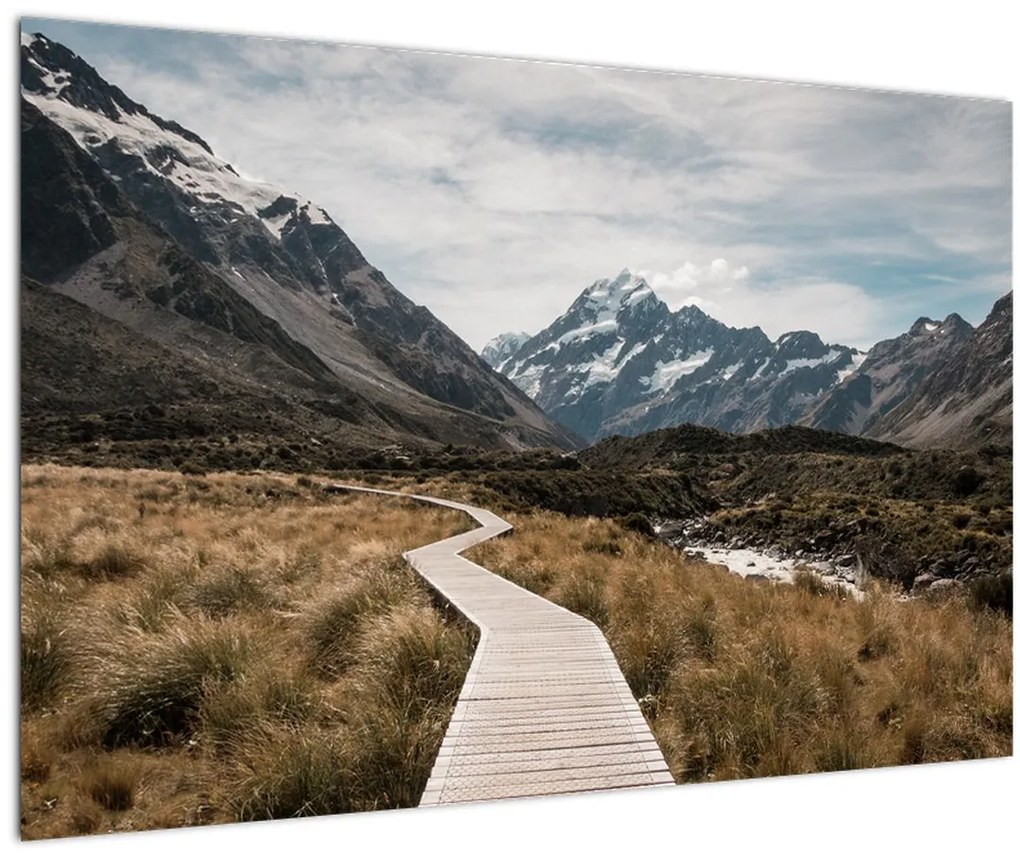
[212, 631]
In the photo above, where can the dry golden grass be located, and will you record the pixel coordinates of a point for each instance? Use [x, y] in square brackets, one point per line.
[221, 648]
[742, 679]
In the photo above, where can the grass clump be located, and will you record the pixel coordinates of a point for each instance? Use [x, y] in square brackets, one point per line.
[150, 686]
[228, 591]
[335, 620]
[111, 784]
[290, 774]
[392, 710]
[45, 661]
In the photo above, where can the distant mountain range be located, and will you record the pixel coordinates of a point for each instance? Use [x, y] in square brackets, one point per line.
[618, 361]
[246, 291]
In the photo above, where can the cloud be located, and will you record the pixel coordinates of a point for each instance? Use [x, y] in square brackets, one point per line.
[839, 312]
[493, 191]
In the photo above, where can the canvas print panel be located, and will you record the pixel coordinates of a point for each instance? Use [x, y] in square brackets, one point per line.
[727, 363]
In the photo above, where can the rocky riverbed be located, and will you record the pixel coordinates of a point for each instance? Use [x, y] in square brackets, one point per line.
[835, 559]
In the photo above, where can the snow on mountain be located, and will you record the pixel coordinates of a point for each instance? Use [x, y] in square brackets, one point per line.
[501, 348]
[618, 361]
[67, 95]
[666, 373]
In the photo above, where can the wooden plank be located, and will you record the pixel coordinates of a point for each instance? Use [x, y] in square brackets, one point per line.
[544, 708]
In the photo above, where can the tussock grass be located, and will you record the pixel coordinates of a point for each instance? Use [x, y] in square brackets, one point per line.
[111, 784]
[743, 679]
[334, 621]
[146, 689]
[394, 705]
[201, 649]
[45, 661]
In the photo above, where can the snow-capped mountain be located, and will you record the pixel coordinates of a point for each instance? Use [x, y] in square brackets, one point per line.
[501, 348]
[284, 257]
[619, 362]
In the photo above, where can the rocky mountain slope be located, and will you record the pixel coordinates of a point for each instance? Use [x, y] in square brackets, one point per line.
[967, 399]
[893, 370]
[134, 216]
[619, 362]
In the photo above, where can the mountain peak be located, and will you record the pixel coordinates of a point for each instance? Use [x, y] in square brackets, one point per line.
[606, 298]
[953, 325]
[691, 311]
[625, 281]
[799, 340]
[49, 70]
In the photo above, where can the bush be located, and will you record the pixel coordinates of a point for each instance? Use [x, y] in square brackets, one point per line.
[966, 481]
[638, 522]
[993, 591]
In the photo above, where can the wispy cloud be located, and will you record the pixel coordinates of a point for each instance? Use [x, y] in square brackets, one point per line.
[493, 191]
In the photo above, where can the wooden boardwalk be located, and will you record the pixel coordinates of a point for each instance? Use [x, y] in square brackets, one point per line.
[544, 708]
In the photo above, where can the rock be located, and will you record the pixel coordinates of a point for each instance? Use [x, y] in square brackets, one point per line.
[923, 581]
[798, 554]
[844, 561]
[944, 585]
[751, 564]
[756, 577]
[941, 568]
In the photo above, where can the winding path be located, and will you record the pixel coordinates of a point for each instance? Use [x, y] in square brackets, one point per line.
[544, 708]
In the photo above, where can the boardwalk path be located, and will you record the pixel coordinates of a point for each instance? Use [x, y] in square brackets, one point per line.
[544, 708]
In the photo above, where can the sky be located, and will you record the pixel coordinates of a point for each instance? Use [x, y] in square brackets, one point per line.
[493, 191]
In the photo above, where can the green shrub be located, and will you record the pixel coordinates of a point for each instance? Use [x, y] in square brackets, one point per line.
[638, 522]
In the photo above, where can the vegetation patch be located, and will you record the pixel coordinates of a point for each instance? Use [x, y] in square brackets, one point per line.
[742, 679]
[266, 652]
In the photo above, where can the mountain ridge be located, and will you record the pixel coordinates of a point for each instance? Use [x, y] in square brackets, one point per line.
[619, 362]
[279, 253]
